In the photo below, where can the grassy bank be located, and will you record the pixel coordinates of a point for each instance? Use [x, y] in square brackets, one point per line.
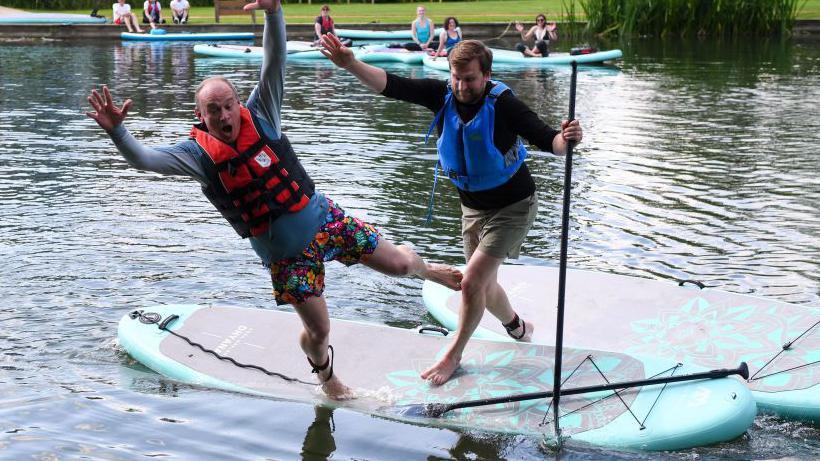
[480, 11]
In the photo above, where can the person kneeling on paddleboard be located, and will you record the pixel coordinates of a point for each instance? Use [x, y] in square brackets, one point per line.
[542, 33]
[479, 122]
[249, 171]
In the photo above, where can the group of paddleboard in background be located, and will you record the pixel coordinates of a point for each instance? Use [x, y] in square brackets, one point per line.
[249, 171]
[423, 33]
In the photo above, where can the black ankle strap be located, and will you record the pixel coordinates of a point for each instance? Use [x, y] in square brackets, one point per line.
[328, 363]
[515, 324]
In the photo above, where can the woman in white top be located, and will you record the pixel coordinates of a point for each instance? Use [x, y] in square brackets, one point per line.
[543, 32]
[179, 11]
[123, 15]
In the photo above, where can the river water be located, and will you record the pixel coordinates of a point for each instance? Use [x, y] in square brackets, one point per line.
[700, 160]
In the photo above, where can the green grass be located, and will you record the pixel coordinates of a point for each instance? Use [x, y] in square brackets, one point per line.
[477, 11]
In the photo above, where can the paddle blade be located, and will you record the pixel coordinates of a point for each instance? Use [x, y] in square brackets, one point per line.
[421, 410]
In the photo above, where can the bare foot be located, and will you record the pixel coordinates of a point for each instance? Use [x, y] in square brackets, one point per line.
[439, 373]
[528, 329]
[336, 390]
[445, 275]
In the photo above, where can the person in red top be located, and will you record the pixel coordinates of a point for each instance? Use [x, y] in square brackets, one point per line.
[152, 13]
[323, 24]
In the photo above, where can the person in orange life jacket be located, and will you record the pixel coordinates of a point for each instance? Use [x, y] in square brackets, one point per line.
[151, 13]
[248, 170]
[479, 123]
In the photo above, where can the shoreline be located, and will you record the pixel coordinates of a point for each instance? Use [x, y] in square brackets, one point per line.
[482, 31]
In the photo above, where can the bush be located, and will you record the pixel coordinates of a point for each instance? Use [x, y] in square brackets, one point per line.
[691, 17]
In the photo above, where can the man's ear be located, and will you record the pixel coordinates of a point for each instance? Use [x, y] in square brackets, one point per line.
[198, 115]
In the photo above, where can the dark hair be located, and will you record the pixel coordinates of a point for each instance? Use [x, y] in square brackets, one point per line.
[541, 15]
[465, 51]
[447, 21]
[325, 7]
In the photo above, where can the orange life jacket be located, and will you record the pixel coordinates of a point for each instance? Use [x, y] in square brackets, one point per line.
[256, 182]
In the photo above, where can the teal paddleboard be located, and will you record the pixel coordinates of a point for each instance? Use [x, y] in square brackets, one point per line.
[512, 59]
[362, 34]
[375, 54]
[386, 378]
[708, 328]
[50, 18]
[250, 52]
[193, 36]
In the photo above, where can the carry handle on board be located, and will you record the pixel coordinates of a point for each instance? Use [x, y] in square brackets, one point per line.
[436, 410]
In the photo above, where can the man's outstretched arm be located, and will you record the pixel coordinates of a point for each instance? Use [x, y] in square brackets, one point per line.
[372, 77]
[266, 100]
[171, 160]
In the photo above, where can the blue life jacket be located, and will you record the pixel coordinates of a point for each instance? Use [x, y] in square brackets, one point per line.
[466, 152]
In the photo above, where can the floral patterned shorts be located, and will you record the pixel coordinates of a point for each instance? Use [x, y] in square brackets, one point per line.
[342, 238]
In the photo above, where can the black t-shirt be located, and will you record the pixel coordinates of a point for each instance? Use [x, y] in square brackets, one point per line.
[512, 119]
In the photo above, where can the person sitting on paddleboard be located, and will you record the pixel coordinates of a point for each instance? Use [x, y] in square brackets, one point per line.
[479, 122]
[422, 32]
[249, 171]
[324, 25]
[542, 32]
[122, 15]
[449, 36]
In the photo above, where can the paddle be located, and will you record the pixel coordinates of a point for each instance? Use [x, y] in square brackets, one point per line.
[562, 268]
[436, 410]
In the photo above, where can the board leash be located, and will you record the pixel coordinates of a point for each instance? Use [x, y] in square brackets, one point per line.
[152, 318]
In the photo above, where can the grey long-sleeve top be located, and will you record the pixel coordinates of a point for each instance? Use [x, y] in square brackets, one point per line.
[289, 234]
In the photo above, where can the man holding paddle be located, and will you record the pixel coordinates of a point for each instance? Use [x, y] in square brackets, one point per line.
[249, 171]
[479, 122]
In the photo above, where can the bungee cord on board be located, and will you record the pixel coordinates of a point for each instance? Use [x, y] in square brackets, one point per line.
[150, 318]
[783, 349]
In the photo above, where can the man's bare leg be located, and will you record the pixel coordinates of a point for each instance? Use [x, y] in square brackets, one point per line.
[403, 261]
[314, 340]
[499, 305]
[481, 273]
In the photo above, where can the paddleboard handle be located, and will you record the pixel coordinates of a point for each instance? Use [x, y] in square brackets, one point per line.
[169, 319]
[697, 283]
[437, 329]
[436, 410]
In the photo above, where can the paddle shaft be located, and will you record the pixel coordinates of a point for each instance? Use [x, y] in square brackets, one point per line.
[562, 268]
[742, 370]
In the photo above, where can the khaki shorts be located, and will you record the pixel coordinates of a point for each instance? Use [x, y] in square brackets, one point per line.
[499, 232]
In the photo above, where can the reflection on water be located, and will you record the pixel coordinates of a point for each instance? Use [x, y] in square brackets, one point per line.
[698, 162]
